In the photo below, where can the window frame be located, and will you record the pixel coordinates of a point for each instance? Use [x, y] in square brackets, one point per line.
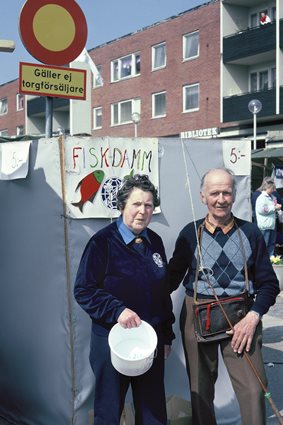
[185, 97]
[260, 72]
[263, 76]
[254, 20]
[185, 38]
[4, 132]
[253, 74]
[153, 104]
[20, 130]
[20, 101]
[95, 117]
[153, 56]
[97, 82]
[116, 73]
[5, 109]
[135, 107]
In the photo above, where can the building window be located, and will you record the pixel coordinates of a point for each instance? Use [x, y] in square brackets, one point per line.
[191, 98]
[273, 14]
[254, 20]
[98, 81]
[121, 113]
[97, 118]
[191, 45]
[20, 102]
[20, 130]
[3, 106]
[159, 105]
[273, 77]
[253, 82]
[159, 56]
[4, 133]
[263, 80]
[126, 67]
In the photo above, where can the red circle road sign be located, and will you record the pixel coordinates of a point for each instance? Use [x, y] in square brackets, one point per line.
[53, 31]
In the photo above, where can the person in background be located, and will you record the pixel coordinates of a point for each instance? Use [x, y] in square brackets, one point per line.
[265, 208]
[122, 277]
[258, 191]
[264, 19]
[231, 249]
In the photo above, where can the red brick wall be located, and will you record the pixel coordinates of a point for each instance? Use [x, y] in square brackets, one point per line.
[13, 118]
[204, 70]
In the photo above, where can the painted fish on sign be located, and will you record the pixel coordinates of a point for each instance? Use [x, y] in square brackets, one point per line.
[89, 186]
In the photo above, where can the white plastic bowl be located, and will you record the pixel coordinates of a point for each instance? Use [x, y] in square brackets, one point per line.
[132, 350]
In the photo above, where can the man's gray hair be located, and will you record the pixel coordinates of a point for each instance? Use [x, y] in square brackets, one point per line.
[227, 170]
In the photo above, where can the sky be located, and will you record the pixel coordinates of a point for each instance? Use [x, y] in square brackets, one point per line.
[106, 21]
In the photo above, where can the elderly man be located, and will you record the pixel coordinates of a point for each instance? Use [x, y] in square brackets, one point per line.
[232, 255]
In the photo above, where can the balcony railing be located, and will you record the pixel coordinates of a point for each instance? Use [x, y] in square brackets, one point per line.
[235, 108]
[249, 42]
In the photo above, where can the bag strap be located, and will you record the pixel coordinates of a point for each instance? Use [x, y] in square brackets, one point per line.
[200, 233]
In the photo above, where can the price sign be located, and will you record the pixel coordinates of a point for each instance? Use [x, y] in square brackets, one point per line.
[14, 163]
[237, 156]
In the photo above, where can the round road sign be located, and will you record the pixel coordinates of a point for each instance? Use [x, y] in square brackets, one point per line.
[53, 31]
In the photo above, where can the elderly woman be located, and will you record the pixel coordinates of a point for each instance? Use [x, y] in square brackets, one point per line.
[265, 208]
[122, 278]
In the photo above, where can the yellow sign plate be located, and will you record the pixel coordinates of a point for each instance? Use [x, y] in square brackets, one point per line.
[42, 80]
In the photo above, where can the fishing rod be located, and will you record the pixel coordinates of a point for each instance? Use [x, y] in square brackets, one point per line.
[247, 357]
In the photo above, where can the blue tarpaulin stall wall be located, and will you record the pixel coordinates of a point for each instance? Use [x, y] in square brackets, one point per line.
[45, 377]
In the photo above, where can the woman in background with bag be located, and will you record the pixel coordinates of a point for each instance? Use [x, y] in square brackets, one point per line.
[222, 257]
[266, 208]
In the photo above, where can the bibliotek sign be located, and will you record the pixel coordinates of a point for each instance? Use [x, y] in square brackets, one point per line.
[43, 80]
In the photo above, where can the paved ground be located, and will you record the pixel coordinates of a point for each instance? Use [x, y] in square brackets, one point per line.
[273, 356]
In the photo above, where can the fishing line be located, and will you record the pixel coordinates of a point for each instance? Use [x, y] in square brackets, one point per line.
[188, 184]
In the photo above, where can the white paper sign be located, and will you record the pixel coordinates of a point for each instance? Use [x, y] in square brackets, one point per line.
[14, 160]
[237, 156]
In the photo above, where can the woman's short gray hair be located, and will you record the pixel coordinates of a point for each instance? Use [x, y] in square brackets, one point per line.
[140, 181]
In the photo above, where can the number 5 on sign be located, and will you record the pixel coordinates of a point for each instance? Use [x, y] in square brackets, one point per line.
[237, 156]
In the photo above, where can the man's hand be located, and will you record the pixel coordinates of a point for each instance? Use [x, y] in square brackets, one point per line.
[243, 332]
[129, 319]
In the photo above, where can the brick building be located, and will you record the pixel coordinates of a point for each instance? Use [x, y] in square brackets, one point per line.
[12, 110]
[191, 75]
[168, 74]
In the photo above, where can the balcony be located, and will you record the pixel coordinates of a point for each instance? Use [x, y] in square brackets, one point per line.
[250, 42]
[235, 108]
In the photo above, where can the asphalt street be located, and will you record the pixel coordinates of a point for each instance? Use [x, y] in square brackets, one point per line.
[273, 356]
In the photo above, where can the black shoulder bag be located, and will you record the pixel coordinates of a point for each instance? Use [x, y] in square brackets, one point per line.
[213, 318]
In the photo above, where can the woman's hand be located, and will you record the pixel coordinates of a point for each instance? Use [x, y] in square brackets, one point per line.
[129, 319]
